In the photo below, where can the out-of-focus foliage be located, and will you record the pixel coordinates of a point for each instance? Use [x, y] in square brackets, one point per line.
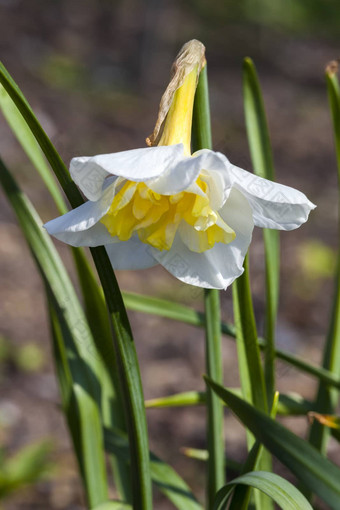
[305, 16]
[26, 467]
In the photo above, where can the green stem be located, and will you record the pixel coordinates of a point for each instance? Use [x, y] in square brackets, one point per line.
[216, 471]
[215, 464]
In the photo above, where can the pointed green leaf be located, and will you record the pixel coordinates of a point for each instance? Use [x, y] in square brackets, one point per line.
[277, 488]
[82, 414]
[308, 465]
[175, 311]
[30, 146]
[113, 505]
[76, 354]
[261, 155]
[27, 466]
[125, 350]
[164, 476]
[43, 140]
[327, 398]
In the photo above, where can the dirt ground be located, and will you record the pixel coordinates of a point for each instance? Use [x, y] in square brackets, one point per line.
[94, 76]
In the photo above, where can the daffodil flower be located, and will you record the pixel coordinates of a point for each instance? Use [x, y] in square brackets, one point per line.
[193, 214]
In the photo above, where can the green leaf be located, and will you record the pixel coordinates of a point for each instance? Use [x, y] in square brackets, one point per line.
[113, 505]
[308, 465]
[251, 373]
[83, 416]
[98, 319]
[261, 154]
[277, 488]
[26, 467]
[125, 350]
[131, 385]
[164, 476]
[242, 494]
[95, 306]
[175, 311]
[30, 146]
[73, 338]
[187, 398]
[213, 341]
[291, 404]
[249, 361]
[43, 140]
[327, 398]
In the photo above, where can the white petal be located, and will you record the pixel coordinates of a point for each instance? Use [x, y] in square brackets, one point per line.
[132, 254]
[182, 175]
[135, 165]
[81, 227]
[274, 205]
[219, 267]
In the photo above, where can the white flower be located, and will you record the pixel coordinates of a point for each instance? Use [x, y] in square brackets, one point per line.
[194, 215]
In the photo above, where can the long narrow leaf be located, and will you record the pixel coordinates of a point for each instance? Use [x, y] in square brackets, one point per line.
[288, 404]
[125, 349]
[327, 398]
[30, 146]
[83, 367]
[175, 311]
[163, 475]
[308, 465]
[97, 316]
[45, 143]
[261, 154]
[113, 505]
[251, 373]
[241, 497]
[95, 307]
[84, 419]
[280, 490]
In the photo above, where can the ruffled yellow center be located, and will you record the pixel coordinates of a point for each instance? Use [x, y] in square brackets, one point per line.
[155, 218]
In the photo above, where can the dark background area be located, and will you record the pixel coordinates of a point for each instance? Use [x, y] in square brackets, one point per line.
[94, 73]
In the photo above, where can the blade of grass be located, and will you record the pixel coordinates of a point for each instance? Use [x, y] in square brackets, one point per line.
[261, 154]
[131, 385]
[124, 346]
[27, 466]
[213, 342]
[97, 316]
[288, 404]
[163, 475]
[84, 419]
[327, 398]
[114, 505]
[241, 496]
[43, 140]
[251, 373]
[30, 146]
[280, 490]
[175, 311]
[250, 368]
[303, 460]
[83, 367]
[95, 307]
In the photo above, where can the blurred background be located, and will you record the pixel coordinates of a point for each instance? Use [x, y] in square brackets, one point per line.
[94, 73]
